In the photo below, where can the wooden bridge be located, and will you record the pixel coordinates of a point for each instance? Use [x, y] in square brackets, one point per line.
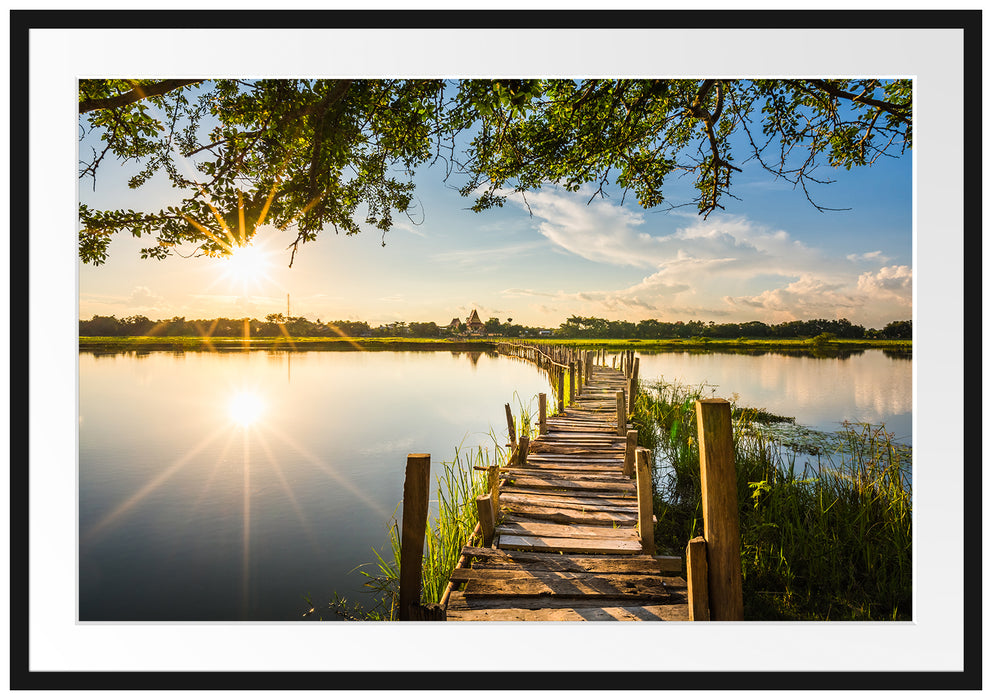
[566, 531]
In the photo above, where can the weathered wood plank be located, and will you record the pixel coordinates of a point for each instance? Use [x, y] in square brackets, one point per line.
[552, 561]
[567, 474]
[570, 515]
[581, 532]
[519, 584]
[566, 544]
[629, 613]
[625, 505]
[460, 603]
[662, 584]
[571, 493]
[573, 484]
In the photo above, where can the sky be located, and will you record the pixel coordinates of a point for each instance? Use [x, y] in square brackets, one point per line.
[770, 256]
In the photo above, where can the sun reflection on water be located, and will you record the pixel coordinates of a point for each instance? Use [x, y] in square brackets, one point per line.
[245, 408]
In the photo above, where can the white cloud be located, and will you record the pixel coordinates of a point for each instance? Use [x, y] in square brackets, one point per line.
[892, 281]
[874, 256]
[721, 267]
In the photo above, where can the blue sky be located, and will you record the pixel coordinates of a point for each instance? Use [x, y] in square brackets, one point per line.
[770, 256]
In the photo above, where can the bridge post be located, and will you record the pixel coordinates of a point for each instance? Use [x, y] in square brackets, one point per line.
[621, 414]
[542, 414]
[645, 501]
[415, 495]
[695, 571]
[571, 381]
[632, 385]
[721, 525]
[561, 390]
[511, 429]
[629, 453]
[487, 518]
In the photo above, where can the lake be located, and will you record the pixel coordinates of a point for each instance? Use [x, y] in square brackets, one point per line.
[229, 485]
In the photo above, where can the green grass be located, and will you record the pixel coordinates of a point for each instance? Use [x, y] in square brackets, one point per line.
[448, 531]
[822, 538]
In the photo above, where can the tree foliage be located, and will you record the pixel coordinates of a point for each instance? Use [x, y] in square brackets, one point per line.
[309, 155]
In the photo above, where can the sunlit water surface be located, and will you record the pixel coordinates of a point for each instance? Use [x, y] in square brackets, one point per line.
[868, 386]
[226, 486]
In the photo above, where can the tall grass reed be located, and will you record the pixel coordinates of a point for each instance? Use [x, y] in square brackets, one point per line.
[825, 537]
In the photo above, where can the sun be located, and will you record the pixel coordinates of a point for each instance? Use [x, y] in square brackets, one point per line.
[246, 265]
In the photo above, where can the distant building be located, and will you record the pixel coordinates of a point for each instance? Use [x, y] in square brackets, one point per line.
[474, 324]
[454, 325]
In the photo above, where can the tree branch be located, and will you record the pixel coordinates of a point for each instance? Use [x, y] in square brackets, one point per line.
[139, 92]
[898, 111]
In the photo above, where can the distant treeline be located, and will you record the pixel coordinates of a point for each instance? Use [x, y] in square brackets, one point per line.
[276, 325]
[579, 327]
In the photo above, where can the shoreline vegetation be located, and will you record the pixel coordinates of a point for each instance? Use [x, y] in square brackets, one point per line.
[824, 536]
[200, 343]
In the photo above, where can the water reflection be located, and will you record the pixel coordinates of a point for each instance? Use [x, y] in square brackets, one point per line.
[228, 487]
[866, 386]
[245, 408]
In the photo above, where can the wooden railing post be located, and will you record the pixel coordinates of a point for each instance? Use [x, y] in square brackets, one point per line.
[695, 571]
[511, 429]
[621, 414]
[542, 414]
[629, 454]
[487, 518]
[721, 521]
[415, 495]
[632, 385]
[561, 391]
[523, 444]
[645, 501]
[571, 381]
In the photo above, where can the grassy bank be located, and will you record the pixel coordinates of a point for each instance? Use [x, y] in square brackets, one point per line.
[199, 344]
[729, 344]
[196, 343]
[827, 540]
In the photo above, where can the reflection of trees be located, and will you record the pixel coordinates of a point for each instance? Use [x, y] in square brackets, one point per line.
[822, 353]
[899, 354]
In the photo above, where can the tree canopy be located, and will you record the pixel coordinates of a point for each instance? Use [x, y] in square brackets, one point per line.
[307, 155]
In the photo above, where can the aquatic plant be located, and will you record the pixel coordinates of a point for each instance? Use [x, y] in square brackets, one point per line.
[825, 523]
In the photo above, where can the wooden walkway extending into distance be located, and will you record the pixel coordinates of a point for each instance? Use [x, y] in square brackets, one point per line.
[566, 543]
[566, 532]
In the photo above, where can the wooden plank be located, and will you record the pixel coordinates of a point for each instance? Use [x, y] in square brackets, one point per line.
[627, 613]
[519, 584]
[571, 515]
[552, 561]
[563, 468]
[661, 585]
[626, 505]
[573, 484]
[566, 544]
[460, 603]
[568, 474]
[571, 493]
[582, 532]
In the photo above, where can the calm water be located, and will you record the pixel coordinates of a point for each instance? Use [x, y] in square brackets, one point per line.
[870, 386]
[226, 486]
